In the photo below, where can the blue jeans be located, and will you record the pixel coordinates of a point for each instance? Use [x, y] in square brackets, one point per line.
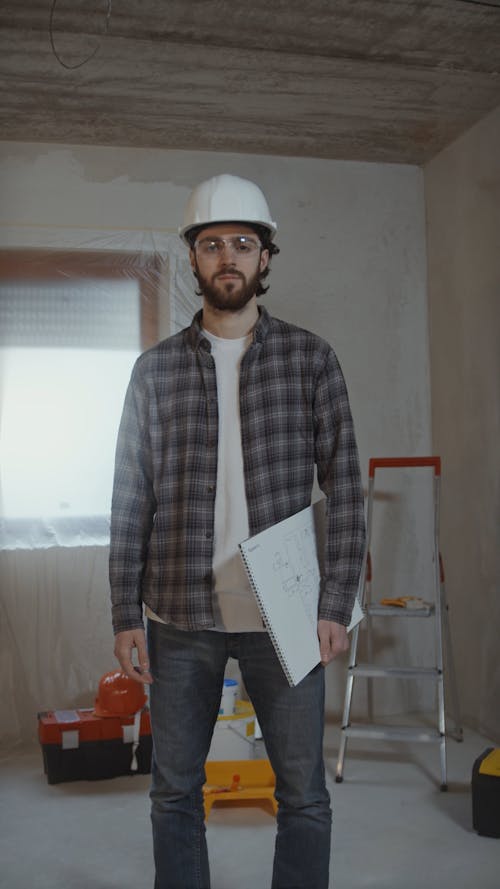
[188, 672]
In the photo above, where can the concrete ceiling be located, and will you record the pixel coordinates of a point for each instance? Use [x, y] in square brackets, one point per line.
[374, 80]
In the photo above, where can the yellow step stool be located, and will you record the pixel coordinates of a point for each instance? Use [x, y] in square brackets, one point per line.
[234, 781]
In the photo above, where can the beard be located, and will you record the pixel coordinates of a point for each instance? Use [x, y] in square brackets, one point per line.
[231, 295]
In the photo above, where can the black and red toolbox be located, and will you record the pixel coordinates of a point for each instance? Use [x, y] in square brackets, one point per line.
[78, 745]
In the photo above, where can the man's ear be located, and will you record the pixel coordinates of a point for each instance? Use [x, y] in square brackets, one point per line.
[264, 260]
[192, 259]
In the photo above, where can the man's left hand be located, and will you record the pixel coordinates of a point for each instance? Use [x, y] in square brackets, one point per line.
[332, 640]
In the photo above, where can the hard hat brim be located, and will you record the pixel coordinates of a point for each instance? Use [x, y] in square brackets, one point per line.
[101, 711]
[185, 229]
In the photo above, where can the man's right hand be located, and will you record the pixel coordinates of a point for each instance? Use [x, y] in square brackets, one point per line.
[125, 642]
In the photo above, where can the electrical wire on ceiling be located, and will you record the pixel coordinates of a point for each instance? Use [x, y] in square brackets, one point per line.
[52, 42]
[482, 3]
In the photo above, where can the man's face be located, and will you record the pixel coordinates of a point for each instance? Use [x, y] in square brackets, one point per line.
[227, 275]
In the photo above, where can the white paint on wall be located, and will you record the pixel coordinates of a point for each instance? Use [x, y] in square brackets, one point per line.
[352, 262]
[462, 187]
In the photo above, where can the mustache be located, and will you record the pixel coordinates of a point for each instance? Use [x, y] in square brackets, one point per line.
[228, 270]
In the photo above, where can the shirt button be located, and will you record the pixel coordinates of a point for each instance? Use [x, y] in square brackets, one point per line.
[208, 535]
[211, 489]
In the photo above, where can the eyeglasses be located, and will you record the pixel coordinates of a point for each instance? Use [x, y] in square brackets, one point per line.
[238, 245]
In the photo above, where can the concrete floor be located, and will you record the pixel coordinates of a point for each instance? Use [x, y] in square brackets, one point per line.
[393, 828]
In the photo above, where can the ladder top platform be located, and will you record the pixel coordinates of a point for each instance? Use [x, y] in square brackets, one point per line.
[403, 462]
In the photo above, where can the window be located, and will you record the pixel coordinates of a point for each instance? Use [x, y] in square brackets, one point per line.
[71, 326]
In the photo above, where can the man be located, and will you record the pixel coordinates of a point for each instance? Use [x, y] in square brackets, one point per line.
[222, 427]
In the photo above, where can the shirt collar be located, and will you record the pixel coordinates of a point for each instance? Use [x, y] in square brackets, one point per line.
[197, 339]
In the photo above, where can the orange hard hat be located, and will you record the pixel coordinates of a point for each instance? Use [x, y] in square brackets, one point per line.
[119, 695]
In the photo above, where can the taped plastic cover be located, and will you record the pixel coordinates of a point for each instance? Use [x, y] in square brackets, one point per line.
[76, 308]
[72, 322]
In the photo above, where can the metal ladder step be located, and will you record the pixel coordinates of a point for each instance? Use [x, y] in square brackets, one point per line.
[379, 672]
[393, 733]
[395, 611]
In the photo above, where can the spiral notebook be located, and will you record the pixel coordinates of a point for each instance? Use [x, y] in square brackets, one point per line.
[283, 566]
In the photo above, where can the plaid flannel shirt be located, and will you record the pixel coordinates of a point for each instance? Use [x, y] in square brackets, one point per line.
[294, 414]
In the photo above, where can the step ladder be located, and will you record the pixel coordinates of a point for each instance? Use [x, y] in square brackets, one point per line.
[441, 672]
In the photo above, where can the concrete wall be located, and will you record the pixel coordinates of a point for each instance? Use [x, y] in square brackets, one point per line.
[462, 191]
[352, 268]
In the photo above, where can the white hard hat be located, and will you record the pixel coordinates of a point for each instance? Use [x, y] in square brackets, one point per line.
[226, 199]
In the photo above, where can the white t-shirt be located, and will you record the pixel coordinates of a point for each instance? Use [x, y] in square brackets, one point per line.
[235, 608]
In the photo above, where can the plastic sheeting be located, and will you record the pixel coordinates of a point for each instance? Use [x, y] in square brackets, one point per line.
[72, 322]
[55, 634]
[69, 290]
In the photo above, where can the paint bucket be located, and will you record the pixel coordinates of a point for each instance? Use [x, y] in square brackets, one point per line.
[234, 735]
[229, 696]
